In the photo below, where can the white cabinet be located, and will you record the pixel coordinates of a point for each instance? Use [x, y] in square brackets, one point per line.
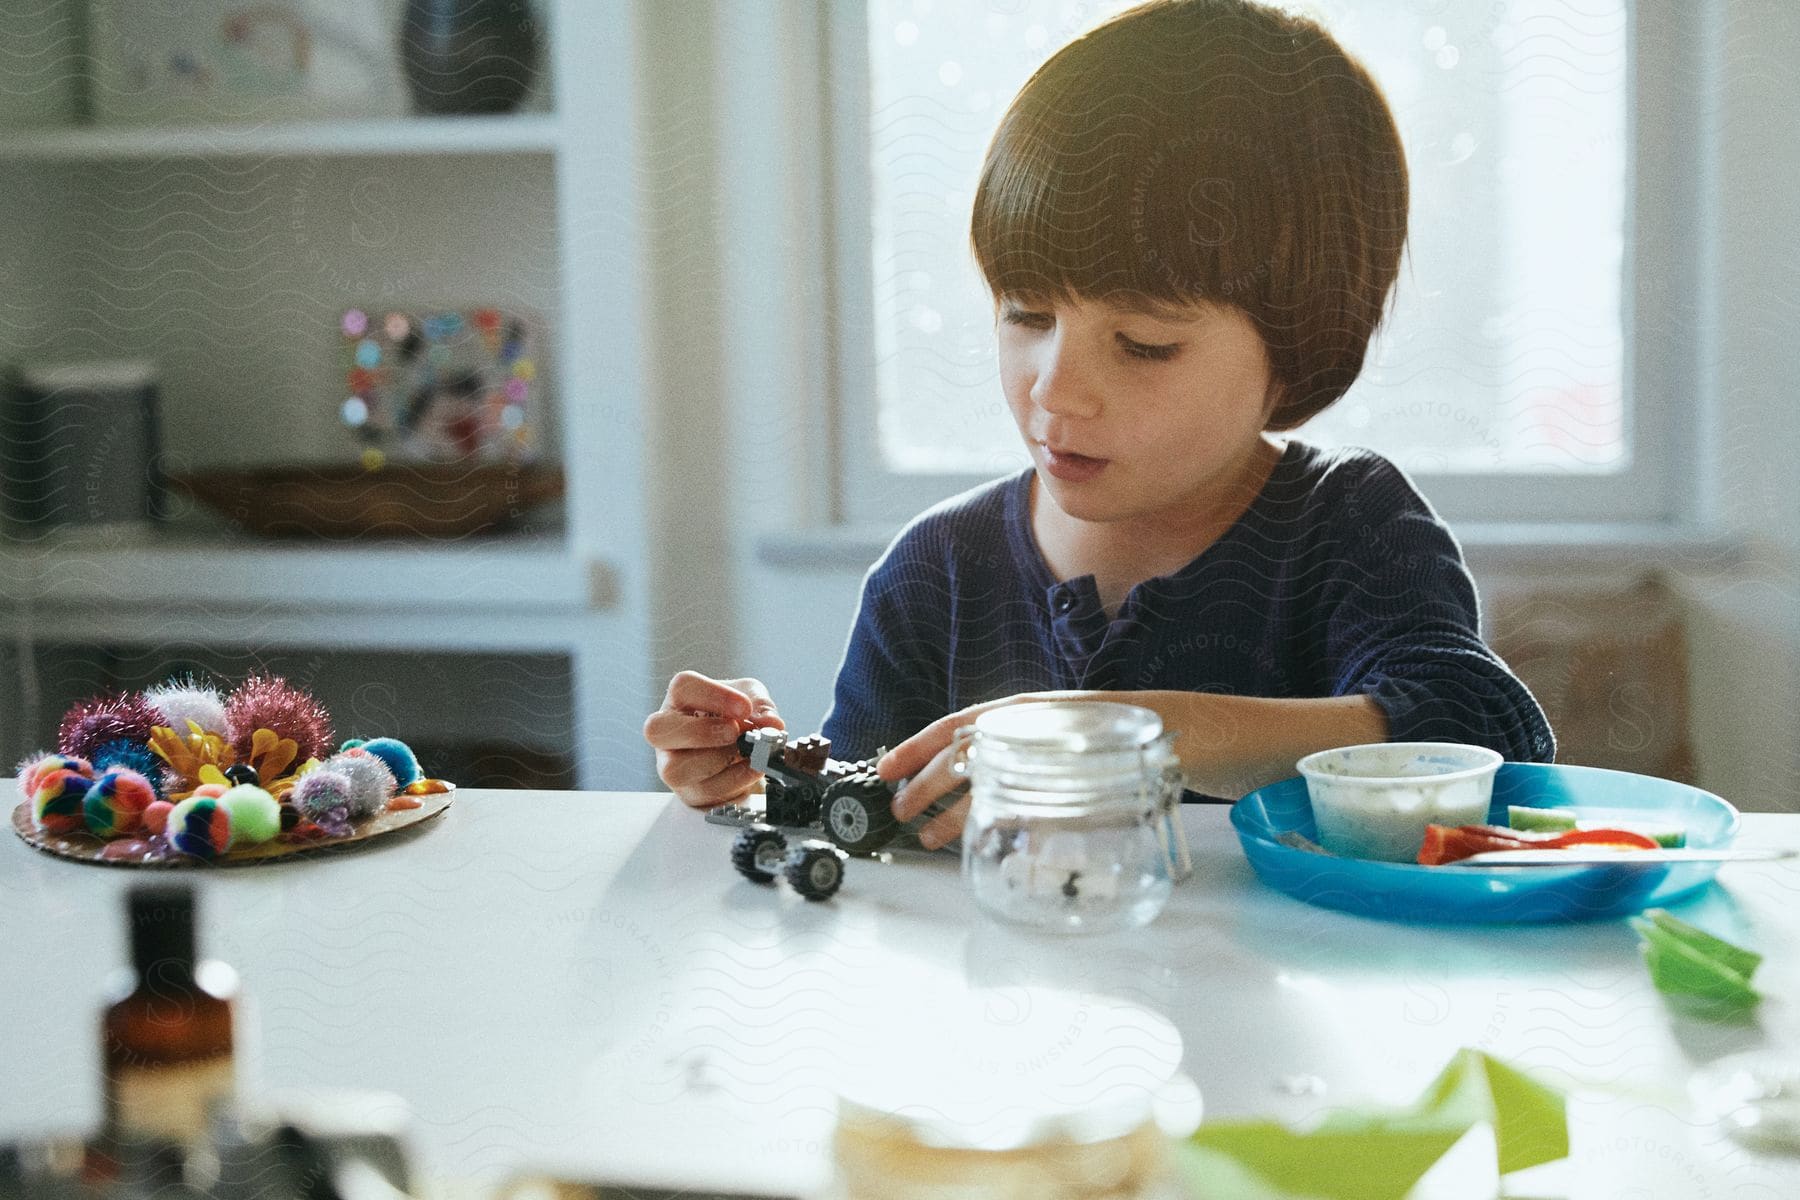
[225, 254]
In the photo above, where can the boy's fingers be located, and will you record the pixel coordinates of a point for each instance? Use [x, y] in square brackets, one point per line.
[667, 729]
[911, 756]
[693, 692]
[734, 782]
[944, 828]
[762, 709]
[932, 781]
[694, 768]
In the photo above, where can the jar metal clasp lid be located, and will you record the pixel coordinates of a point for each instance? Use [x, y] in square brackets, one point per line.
[1169, 779]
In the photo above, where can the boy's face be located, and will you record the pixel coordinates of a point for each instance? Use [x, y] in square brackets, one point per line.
[1134, 414]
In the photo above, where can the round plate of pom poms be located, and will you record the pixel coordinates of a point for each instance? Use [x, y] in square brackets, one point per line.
[182, 775]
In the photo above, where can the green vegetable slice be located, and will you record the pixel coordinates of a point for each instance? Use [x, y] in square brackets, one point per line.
[1539, 820]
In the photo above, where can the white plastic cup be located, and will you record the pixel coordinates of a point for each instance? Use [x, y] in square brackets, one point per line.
[1374, 801]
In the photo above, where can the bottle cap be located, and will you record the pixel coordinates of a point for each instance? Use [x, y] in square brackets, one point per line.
[162, 927]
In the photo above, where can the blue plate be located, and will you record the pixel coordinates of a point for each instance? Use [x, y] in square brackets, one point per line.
[1406, 892]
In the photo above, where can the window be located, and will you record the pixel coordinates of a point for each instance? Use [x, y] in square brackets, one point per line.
[1543, 140]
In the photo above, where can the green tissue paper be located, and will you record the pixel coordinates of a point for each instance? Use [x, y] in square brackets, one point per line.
[1383, 1155]
[1689, 962]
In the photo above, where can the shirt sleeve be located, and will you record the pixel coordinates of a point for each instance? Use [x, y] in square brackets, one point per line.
[887, 687]
[1405, 629]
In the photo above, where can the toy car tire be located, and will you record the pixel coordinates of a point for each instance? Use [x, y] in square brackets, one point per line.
[858, 815]
[815, 869]
[759, 853]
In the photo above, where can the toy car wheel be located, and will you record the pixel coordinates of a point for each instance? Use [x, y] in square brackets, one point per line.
[758, 853]
[815, 869]
[858, 814]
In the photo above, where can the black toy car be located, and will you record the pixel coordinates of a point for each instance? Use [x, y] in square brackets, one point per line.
[808, 792]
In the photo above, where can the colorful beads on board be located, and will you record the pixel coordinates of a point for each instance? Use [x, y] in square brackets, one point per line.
[319, 791]
[255, 815]
[398, 756]
[200, 826]
[56, 801]
[370, 781]
[115, 802]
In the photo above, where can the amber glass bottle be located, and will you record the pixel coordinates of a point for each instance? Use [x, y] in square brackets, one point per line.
[167, 1046]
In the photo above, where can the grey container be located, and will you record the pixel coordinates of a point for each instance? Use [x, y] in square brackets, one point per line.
[80, 444]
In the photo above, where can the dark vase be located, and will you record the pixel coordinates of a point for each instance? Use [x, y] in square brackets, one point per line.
[468, 56]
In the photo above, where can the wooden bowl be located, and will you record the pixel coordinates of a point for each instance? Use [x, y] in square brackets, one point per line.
[428, 500]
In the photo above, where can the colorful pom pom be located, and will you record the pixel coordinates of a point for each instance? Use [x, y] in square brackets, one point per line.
[114, 805]
[255, 815]
[56, 801]
[319, 791]
[200, 826]
[91, 724]
[270, 702]
[371, 783]
[351, 744]
[180, 701]
[156, 816]
[133, 756]
[399, 759]
[31, 772]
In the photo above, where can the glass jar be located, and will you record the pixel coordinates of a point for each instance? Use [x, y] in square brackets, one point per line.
[1073, 816]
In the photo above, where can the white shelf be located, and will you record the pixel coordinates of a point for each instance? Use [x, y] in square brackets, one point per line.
[529, 133]
[526, 575]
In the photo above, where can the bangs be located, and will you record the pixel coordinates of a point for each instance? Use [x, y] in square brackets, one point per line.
[1101, 204]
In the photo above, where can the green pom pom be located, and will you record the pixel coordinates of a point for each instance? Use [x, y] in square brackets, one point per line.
[255, 815]
[351, 744]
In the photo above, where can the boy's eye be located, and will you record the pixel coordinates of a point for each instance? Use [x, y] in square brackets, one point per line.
[1152, 353]
[1027, 318]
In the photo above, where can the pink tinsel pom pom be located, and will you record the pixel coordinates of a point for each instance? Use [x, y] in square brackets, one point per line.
[270, 702]
[91, 724]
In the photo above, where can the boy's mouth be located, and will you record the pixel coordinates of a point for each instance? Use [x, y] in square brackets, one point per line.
[1071, 467]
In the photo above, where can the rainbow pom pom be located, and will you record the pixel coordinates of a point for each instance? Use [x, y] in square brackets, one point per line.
[398, 756]
[33, 770]
[255, 815]
[156, 816]
[200, 826]
[371, 783]
[319, 791]
[114, 804]
[56, 801]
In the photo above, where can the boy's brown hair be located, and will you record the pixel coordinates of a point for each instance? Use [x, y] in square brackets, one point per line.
[1206, 150]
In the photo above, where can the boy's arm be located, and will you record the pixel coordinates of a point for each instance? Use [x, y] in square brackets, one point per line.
[1228, 745]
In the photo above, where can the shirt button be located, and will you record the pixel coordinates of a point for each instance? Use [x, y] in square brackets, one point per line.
[1064, 602]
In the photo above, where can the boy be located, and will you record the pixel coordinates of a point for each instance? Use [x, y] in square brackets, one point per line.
[1191, 219]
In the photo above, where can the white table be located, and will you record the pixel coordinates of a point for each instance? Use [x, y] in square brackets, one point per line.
[579, 981]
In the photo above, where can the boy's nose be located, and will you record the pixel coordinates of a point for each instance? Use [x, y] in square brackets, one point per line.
[1064, 385]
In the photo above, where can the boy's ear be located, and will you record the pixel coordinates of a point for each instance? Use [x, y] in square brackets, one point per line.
[1272, 399]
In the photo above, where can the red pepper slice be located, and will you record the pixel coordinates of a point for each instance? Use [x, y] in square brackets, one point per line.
[1444, 844]
[1601, 837]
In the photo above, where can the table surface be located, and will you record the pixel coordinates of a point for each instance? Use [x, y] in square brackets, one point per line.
[580, 982]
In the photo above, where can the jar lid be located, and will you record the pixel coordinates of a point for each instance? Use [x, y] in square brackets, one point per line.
[1000, 1069]
[1072, 726]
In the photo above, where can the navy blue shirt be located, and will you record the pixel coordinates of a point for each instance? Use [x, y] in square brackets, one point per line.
[1337, 579]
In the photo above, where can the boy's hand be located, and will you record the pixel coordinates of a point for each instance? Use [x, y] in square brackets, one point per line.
[927, 756]
[695, 734]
